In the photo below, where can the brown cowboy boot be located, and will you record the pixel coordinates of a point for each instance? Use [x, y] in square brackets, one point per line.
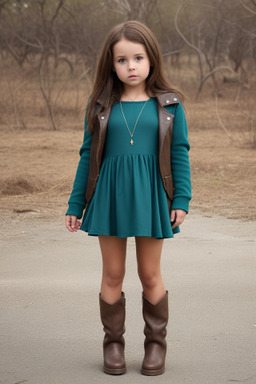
[156, 319]
[113, 317]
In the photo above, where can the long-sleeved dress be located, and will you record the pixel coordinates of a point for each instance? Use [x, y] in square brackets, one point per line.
[130, 199]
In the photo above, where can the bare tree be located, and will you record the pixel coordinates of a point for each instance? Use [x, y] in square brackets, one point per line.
[133, 9]
[50, 40]
[208, 44]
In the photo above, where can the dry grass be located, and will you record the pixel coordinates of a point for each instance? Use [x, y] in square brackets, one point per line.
[17, 186]
[23, 106]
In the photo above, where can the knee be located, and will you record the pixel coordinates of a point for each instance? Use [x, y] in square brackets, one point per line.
[114, 277]
[149, 278]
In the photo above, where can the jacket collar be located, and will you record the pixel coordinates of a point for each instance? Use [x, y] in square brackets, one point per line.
[165, 99]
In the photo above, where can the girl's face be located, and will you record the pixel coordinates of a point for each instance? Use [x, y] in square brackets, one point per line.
[131, 63]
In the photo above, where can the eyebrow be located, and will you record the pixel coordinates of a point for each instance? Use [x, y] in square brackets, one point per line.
[136, 54]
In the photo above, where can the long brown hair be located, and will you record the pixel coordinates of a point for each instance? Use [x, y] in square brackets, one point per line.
[107, 86]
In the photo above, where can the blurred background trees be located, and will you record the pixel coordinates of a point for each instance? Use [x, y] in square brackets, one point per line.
[52, 46]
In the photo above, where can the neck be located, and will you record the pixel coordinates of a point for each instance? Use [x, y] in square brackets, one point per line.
[134, 94]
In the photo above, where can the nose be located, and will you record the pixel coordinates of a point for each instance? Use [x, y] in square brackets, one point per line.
[131, 65]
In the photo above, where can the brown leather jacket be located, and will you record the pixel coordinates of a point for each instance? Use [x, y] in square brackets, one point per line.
[165, 138]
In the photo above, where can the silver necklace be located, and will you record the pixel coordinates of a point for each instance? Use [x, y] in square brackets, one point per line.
[135, 125]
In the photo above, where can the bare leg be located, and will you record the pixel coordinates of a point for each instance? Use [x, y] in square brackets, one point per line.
[149, 252]
[112, 303]
[113, 267]
[154, 304]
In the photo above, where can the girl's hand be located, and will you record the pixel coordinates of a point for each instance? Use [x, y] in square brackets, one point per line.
[177, 217]
[72, 223]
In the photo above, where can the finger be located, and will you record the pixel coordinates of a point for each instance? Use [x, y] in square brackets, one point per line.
[173, 219]
[175, 224]
[78, 224]
[180, 217]
[73, 222]
[173, 216]
[178, 222]
[181, 220]
[68, 222]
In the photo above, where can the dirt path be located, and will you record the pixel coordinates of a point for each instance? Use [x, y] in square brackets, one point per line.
[50, 330]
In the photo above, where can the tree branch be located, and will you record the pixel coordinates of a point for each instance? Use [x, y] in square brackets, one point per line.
[198, 51]
[206, 77]
[253, 35]
[246, 7]
[57, 11]
[174, 52]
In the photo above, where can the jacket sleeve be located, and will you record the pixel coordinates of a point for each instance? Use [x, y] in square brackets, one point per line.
[180, 161]
[77, 200]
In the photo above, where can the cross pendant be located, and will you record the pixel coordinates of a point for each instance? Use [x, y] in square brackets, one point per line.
[131, 142]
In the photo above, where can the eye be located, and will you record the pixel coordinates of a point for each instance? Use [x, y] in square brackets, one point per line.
[121, 61]
[139, 58]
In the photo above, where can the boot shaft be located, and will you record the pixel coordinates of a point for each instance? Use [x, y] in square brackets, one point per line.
[113, 319]
[156, 320]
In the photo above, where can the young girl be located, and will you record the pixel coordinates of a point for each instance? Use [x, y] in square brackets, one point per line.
[133, 179]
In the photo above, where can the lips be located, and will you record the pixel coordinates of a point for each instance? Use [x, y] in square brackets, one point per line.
[132, 77]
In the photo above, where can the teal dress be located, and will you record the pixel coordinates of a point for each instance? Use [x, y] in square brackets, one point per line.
[129, 199]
